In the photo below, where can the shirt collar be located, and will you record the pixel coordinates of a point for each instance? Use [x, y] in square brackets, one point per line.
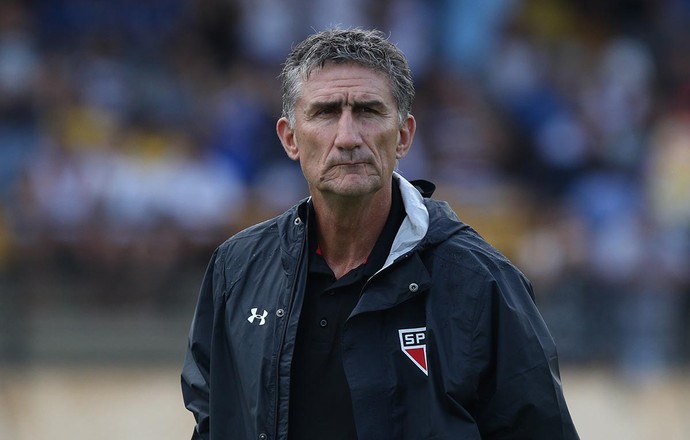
[382, 248]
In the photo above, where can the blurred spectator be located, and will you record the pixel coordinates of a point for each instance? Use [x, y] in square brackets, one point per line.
[135, 137]
[19, 63]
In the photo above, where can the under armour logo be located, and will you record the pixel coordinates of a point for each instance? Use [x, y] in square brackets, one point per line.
[257, 316]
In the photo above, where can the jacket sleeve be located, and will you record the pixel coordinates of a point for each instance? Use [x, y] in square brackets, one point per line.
[520, 394]
[196, 369]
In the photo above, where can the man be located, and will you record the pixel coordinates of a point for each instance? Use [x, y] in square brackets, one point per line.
[368, 311]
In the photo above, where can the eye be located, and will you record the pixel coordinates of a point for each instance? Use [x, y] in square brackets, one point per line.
[327, 110]
[366, 109]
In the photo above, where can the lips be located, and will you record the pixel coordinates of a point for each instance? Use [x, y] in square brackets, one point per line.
[350, 162]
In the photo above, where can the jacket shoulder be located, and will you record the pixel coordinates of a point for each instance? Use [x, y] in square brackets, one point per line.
[476, 252]
[459, 243]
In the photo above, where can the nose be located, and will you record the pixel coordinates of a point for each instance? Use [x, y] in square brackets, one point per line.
[348, 136]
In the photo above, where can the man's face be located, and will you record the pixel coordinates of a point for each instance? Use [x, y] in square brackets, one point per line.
[347, 134]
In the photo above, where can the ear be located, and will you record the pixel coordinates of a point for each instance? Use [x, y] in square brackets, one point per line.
[286, 134]
[406, 135]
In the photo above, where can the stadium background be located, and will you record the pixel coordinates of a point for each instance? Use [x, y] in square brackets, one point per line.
[136, 135]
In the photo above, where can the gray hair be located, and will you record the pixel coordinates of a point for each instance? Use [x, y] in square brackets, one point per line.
[369, 48]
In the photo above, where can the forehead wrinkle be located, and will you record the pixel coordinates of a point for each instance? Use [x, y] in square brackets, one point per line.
[345, 76]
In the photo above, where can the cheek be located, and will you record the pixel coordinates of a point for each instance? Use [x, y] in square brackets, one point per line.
[313, 158]
[305, 147]
[387, 146]
[310, 160]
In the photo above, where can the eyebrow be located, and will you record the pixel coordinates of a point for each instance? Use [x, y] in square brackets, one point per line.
[372, 103]
[322, 105]
[333, 104]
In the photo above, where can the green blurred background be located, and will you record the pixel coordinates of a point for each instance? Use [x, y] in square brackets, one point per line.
[135, 136]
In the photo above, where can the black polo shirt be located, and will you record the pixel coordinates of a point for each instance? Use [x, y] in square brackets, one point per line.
[320, 403]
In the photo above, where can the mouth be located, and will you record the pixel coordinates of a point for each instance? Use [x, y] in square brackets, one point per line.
[341, 169]
[349, 164]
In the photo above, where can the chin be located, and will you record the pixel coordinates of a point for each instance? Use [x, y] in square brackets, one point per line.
[357, 187]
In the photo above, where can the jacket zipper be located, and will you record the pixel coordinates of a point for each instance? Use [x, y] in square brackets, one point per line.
[282, 336]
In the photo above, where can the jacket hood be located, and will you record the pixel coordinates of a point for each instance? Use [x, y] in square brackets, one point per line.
[443, 223]
[428, 223]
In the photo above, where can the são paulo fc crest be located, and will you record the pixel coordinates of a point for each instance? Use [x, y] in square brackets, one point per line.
[413, 344]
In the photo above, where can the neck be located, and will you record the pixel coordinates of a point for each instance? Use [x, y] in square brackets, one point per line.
[347, 230]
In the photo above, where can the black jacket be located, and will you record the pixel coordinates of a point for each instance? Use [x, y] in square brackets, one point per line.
[445, 343]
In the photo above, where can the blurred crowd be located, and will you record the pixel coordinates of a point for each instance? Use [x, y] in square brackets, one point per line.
[136, 135]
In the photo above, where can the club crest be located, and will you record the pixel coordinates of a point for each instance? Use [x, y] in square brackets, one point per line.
[413, 344]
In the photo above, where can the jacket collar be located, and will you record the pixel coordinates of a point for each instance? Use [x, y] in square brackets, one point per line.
[418, 228]
[416, 223]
